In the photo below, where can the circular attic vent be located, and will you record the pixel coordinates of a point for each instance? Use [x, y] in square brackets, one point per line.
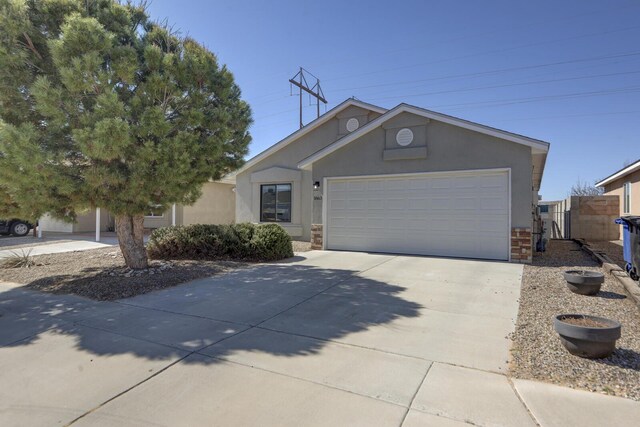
[404, 137]
[352, 124]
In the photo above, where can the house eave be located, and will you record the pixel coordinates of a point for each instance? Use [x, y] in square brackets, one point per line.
[537, 146]
[303, 131]
[620, 174]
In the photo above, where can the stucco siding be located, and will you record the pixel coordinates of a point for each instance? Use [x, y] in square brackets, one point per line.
[247, 192]
[615, 188]
[449, 148]
[86, 222]
[48, 223]
[217, 205]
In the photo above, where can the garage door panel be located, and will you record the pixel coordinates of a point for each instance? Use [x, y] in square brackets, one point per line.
[418, 184]
[440, 182]
[461, 215]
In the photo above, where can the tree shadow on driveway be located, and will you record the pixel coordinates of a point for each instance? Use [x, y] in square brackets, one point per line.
[174, 322]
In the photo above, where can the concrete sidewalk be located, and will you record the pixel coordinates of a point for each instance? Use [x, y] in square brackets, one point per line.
[325, 339]
[54, 247]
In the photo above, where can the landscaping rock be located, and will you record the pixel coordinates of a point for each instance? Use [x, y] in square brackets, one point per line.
[101, 274]
[537, 352]
[299, 246]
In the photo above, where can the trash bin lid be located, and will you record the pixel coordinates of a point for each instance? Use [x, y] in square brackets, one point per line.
[629, 219]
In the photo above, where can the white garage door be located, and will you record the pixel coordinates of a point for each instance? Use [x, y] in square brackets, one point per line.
[447, 214]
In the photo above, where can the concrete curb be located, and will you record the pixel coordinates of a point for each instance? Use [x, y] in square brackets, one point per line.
[621, 276]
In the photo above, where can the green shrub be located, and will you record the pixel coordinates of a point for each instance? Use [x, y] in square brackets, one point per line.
[271, 242]
[250, 242]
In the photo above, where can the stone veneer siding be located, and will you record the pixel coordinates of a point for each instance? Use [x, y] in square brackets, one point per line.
[521, 247]
[316, 236]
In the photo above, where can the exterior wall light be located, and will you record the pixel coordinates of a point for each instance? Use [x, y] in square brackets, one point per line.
[316, 185]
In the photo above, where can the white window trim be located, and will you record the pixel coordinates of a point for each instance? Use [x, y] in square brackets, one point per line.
[278, 175]
[290, 204]
[155, 216]
[626, 197]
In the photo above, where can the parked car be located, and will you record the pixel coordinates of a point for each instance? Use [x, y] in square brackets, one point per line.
[16, 227]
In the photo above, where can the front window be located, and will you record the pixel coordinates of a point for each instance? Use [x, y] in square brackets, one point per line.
[155, 211]
[626, 197]
[275, 203]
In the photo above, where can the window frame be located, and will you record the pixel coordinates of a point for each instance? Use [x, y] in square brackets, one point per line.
[276, 184]
[626, 197]
[151, 211]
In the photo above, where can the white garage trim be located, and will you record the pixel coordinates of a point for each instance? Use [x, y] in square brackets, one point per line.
[456, 173]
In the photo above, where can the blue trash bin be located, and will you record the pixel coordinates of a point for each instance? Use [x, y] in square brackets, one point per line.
[626, 243]
[631, 244]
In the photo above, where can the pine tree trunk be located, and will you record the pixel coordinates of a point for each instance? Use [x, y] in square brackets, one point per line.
[130, 230]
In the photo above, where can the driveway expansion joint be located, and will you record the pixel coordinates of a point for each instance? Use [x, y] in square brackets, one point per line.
[187, 314]
[415, 393]
[257, 325]
[301, 379]
[513, 387]
[122, 393]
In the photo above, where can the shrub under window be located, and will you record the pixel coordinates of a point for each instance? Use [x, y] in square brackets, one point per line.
[241, 242]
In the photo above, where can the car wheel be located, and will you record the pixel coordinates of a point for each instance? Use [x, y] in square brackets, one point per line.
[19, 229]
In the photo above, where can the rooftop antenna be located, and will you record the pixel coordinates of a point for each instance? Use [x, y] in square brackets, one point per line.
[300, 81]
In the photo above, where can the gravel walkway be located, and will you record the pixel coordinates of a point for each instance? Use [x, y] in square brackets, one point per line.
[537, 352]
[101, 274]
[613, 251]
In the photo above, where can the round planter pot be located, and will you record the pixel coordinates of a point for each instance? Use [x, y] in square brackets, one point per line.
[584, 282]
[587, 336]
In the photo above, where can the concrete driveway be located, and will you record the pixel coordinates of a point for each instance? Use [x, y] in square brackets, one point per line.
[328, 338]
[54, 243]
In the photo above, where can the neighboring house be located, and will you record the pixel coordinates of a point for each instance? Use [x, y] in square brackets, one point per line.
[625, 184]
[405, 180]
[215, 206]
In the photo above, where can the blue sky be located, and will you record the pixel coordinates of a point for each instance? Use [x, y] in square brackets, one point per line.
[565, 72]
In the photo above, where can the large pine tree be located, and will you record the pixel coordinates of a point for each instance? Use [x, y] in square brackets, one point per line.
[101, 107]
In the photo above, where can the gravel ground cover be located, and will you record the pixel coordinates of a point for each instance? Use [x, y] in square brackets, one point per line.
[101, 274]
[537, 352]
[613, 251]
[301, 246]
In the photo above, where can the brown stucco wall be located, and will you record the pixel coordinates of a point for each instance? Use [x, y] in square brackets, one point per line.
[593, 217]
[615, 189]
[217, 205]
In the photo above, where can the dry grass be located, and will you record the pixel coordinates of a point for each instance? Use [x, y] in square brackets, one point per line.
[18, 259]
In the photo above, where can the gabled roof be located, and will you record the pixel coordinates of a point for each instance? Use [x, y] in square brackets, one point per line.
[537, 146]
[620, 173]
[303, 131]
